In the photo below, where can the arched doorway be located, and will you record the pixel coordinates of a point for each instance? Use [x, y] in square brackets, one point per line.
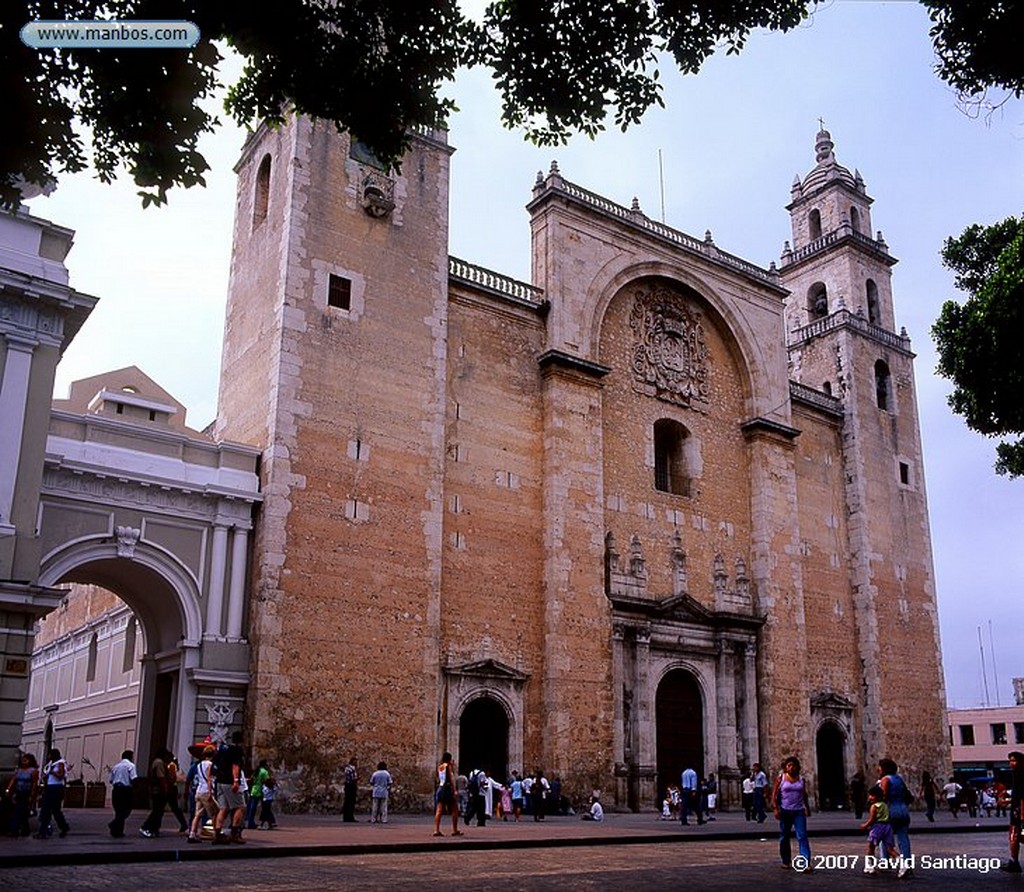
[163, 601]
[483, 738]
[679, 713]
[830, 746]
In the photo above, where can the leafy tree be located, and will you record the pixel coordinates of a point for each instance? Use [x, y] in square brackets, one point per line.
[373, 67]
[981, 341]
[376, 68]
[978, 44]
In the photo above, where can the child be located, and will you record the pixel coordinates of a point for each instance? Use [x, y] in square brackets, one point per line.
[267, 819]
[878, 827]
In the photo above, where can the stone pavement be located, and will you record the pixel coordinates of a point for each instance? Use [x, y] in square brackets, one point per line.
[89, 841]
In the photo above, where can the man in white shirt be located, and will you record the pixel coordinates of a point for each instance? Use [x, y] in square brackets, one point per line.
[596, 813]
[121, 795]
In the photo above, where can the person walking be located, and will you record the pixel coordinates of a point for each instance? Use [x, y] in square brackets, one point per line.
[792, 808]
[159, 792]
[1016, 812]
[348, 807]
[227, 775]
[259, 778]
[760, 791]
[858, 794]
[22, 789]
[689, 788]
[122, 795]
[929, 790]
[898, 797]
[444, 795]
[54, 779]
[205, 805]
[747, 797]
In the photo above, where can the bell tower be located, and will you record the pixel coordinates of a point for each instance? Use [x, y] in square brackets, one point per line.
[842, 340]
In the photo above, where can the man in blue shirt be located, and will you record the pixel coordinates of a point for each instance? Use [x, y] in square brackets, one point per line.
[690, 795]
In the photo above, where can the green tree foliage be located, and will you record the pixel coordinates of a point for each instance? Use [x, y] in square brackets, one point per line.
[981, 341]
[373, 67]
[978, 44]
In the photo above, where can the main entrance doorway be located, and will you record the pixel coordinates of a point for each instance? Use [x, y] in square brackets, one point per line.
[483, 739]
[679, 713]
[830, 746]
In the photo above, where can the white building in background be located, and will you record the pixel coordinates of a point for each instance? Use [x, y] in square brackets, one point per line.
[84, 689]
[980, 739]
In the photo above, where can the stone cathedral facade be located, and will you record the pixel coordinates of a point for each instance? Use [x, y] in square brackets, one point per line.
[659, 507]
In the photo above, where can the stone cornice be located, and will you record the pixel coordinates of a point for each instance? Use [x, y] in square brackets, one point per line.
[559, 360]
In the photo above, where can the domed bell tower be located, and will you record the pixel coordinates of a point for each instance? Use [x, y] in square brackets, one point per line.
[842, 340]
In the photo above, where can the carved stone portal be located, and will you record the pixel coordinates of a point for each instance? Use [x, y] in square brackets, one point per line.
[669, 353]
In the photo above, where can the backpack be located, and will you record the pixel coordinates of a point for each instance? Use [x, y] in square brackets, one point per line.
[474, 784]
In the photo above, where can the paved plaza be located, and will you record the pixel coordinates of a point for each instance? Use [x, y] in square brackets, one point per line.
[626, 851]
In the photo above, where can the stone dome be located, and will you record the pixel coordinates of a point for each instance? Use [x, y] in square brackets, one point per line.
[828, 169]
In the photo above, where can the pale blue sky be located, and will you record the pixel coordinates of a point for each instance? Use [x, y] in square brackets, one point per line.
[732, 139]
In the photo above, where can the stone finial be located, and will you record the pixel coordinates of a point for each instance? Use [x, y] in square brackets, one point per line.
[823, 147]
[540, 178]
[797, 189]
[708, 240]
[720, 577]
[678, 565]
[635, 206]
[637, 564]
[554, 171]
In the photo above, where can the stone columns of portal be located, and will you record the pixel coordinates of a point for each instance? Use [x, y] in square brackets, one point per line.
[13, 408]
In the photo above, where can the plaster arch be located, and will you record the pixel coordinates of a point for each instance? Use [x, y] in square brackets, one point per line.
[97, 561]
[745, 347]
[163, 595]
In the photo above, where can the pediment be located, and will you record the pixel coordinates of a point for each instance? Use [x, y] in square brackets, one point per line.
[493, 669]
[681, 608]
[829, 700]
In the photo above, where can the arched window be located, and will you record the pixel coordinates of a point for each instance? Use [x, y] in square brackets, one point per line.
[261, 200]
[814, 224]
[130, 633]
[874, 315]
[883, 385]
[93, 656]
[854, 218]
[817, 301]
[671, 473]
[827, 388]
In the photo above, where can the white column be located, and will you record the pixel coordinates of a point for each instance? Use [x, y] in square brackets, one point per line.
[751, 750]
[236, 593]
[215, 593]
[13, 405]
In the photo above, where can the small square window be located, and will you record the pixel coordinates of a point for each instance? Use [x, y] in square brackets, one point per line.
[1018, 732]
[999, 733]
[967, 735]
[339, 292]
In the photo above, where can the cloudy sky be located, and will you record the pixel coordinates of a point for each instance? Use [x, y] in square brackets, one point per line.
[731, 140]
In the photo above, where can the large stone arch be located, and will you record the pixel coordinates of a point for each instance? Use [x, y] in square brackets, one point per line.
[740, 330]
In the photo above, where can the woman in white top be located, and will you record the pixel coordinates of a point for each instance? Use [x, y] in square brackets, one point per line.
[204, 794]
[55, 773]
